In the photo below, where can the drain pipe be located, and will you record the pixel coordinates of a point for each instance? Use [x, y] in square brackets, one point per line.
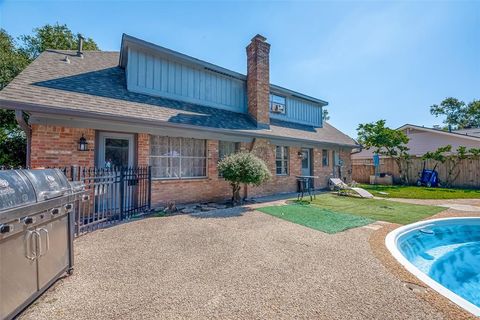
[28, 132]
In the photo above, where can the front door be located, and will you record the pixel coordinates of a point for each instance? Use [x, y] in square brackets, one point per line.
[115, 150]
[306, 162]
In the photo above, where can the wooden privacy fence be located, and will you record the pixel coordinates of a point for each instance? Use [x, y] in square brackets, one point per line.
[469, 171]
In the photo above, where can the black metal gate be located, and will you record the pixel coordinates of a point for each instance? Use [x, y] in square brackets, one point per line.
[115, 195]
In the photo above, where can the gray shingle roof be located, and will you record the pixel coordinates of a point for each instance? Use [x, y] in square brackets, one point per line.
[95, 87]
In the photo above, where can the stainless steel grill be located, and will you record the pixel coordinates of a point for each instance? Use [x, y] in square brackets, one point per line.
[36, 234]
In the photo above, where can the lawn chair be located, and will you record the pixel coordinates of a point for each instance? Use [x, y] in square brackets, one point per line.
[344, 189]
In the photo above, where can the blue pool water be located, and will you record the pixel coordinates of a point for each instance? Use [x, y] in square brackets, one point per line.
[449, 254]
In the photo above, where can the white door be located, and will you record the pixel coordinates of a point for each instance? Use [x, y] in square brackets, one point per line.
[115, 150]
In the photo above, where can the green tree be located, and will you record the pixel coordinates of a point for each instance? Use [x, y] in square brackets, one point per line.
[387, 142]
[325, 115]
[13, 59]
[458, 114]
[243, 168]
[57, 36]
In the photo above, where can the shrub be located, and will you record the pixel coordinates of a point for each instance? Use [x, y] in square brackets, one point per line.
[243, 168]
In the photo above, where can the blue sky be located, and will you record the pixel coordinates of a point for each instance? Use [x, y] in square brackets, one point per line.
[371, 60]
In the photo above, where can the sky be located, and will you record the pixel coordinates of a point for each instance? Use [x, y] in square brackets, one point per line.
[370, 60]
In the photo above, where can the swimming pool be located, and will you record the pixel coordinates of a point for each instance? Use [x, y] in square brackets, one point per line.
[445, 255]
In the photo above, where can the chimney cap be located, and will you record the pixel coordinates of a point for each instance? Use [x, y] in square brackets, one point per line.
[259, 37]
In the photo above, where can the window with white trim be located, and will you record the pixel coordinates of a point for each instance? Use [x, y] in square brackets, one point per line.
[178, 158]
[325, 162]
[281, 160]
[226, 148]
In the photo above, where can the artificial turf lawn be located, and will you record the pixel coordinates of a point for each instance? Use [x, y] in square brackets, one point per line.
[379, 210]
[316, 218]
[414, 192]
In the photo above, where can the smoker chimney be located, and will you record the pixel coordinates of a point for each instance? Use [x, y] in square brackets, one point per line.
[80, 46]
[258, 81]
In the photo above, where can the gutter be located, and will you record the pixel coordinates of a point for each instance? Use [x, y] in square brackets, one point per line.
[28, 132]
[32, 107]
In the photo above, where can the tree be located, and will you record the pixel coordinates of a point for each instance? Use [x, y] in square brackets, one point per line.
[459, 115]
[451, 160]
[325, 115]
[243, 168]
[53, 37]
[387, 142]
[15, 58]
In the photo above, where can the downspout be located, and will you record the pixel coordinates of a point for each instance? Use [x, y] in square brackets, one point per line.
[28, 132]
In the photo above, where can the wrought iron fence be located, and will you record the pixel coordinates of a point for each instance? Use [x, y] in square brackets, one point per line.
[116, 195]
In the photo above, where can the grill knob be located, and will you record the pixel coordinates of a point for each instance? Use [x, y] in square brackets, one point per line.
[5, 228]
[28, 220]
[54, 211]
[68, 207]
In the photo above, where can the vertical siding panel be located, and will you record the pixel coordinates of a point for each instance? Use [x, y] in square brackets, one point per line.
[164, 81]
[191, 74]
[149, 71]
[184, 85]
[178, 79]
[141, 69]
[157, 74]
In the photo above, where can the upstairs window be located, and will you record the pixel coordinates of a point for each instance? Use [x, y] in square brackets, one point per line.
[325, 158]
[277, 104]
[177, 158]
[281, 160]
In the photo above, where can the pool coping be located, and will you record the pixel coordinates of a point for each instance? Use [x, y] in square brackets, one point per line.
[391, 244]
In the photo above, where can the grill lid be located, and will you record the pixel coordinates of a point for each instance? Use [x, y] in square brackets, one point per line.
[15, 190]
[48, 183]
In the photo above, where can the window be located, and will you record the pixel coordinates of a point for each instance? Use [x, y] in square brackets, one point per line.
[176, 158]
[277, 103]
[226, 148]
[281, 160]
[325, 158]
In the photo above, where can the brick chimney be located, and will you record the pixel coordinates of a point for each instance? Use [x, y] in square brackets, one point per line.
[258, 81]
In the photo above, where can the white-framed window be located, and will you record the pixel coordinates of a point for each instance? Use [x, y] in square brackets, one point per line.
[277, 103]
[178, 158]
[325, 162]
[281, 160]
[226, 148]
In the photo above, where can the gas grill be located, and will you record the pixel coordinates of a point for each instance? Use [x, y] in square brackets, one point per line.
[36, 234]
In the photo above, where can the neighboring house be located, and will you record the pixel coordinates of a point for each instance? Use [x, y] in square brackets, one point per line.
[148, 105]
[422, 140]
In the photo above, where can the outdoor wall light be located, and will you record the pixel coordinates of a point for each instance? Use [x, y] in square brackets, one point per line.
[300, 155]
[82, 144]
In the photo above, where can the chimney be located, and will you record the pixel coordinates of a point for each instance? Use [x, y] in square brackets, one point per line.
[258, 81]
[80, 46]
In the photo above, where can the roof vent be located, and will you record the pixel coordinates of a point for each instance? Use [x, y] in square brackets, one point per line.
[80, 46]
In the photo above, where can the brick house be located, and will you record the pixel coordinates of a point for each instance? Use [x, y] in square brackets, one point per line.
[148, 105]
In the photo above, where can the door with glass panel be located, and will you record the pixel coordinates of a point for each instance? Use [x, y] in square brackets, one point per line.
[306, 163]
[115, 153]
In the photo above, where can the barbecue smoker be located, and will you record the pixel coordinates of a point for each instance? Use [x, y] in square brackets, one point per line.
[36, 234]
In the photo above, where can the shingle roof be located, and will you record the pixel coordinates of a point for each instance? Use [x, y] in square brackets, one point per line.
[95, 87]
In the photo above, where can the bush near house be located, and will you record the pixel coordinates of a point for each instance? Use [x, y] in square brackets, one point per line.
[243, 168]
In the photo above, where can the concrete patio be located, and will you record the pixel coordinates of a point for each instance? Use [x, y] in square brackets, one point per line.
[233, 264]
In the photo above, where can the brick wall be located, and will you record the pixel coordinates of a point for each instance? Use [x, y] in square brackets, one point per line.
[55, 146]
[258, 80]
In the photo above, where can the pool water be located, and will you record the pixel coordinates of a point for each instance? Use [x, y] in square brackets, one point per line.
[448, 254]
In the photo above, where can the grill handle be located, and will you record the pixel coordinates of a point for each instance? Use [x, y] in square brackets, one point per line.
[52, 194]
[47, 241]
[29, 252]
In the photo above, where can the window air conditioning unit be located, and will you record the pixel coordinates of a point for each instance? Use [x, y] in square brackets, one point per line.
[278, 108]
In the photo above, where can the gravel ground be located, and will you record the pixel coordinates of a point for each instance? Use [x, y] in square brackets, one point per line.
[228, 264]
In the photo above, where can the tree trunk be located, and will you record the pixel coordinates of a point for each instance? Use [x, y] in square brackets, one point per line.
[236, 193]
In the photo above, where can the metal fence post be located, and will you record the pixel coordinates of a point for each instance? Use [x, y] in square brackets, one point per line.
[149, 187]
[122, 195]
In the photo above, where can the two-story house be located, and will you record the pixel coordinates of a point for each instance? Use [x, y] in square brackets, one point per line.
[148, 105]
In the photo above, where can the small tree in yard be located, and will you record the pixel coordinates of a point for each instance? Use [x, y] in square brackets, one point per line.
[387, 142]
[451, 160]
[243, 168]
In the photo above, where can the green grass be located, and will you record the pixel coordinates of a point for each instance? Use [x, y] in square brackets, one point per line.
[379, 210]
[316, 218]
[414, 192]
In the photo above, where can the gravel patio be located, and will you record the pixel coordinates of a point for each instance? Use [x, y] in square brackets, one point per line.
[233, 263]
